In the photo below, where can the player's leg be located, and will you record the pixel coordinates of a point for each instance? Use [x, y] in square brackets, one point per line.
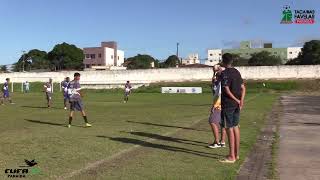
[48, 99]
[227, 116]
[70, 118]
[231, 138]
[79, 106]
[214, 120]
[125, 97]
[223, 137]
[65, 102]
[237, 141]
[236, 118]
[215, 132]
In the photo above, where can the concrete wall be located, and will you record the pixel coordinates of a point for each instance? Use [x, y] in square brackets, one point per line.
[168, 75]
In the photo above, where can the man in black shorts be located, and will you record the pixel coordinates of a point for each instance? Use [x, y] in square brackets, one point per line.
[232, 99]
[74, 93]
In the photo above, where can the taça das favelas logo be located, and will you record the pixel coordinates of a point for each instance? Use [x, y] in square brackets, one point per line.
[298, 16]
[22, 171]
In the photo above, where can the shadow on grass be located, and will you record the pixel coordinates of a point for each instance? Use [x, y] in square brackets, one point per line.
[48, 123]
[162, 147]
[194, 105]
[163, 125]
[40, 107]
[306, 123]
[167, 138]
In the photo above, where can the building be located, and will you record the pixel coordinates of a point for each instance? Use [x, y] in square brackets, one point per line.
[105, 57]
[293, 52]
[191, 59]
[214, 57]
[245, 51]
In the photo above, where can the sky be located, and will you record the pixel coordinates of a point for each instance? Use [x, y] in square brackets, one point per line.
[149, 26]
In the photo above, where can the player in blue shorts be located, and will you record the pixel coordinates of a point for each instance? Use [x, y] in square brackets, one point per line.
[6, 92]
[74, 92]
[64, 87]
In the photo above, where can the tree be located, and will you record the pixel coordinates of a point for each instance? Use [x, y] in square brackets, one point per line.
[264, 58]
[66, 56]
[295, 61]
[140, 62]
[38, 59]
[34, 59]
[172, 61]
[310, 53]
[239, 61]
[3, 68]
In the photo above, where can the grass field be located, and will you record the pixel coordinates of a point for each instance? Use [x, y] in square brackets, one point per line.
[154, 136]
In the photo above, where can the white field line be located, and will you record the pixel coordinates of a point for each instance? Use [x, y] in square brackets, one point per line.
[95, 164]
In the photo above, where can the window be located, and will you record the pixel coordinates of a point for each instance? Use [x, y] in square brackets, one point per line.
[274, 52]
[99, 55]
[211, 54]
[219, 54]
[211, 61]
[118, 57]
[290, 52]
[111, 56]
[93, 64]
[92, 56]
[187, 62]
[247, 53]
[87, 65]
[87, 56]
[99, 64]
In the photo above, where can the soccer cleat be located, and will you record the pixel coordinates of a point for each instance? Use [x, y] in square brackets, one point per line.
[222, 144]
[214, 145]
[69, 125]
[88, 125]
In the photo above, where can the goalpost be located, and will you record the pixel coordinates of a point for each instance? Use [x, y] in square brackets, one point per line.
[18, 83]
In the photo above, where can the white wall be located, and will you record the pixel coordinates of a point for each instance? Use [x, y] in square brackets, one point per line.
[168, 75]
[120, 61]
[108, 53]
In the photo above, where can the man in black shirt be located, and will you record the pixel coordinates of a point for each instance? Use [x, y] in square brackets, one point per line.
[232, 99]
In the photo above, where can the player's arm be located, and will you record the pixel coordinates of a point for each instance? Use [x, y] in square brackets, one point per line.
[229, 93]
[243, 94]
[44, 87]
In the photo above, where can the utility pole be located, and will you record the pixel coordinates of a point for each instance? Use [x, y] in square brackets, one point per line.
[179, 61]
[177, 49]
[23, 56]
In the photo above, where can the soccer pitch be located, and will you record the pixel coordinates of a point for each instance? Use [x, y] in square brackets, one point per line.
[154, 136]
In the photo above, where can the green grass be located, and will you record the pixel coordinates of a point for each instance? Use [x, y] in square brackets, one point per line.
[30, 131]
